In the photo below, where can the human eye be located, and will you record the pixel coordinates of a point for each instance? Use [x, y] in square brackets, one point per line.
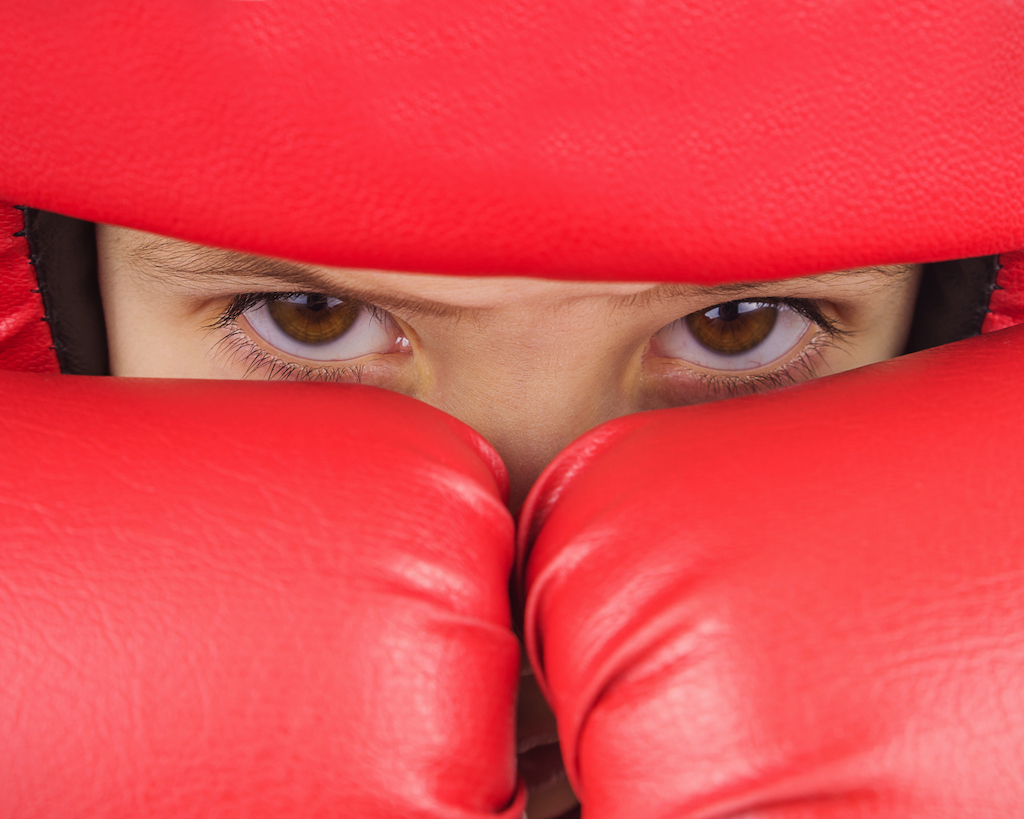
[746, 346]
[309, 336]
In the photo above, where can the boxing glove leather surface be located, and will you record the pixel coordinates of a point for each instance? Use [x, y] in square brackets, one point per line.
[808, 603]
[645, 141]
[250, 600]
[25, 341]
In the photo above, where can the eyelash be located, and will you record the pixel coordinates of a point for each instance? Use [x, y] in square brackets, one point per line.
[732, 386]
[237, 343]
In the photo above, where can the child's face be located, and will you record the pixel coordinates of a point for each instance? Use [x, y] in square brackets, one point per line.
[531, 364]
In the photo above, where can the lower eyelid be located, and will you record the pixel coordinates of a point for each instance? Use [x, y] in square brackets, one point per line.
[237, 345]
[790, 372]
[722, 384]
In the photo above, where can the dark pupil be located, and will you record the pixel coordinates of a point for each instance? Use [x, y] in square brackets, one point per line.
[311, 319]
[732, 332]
[729, 311]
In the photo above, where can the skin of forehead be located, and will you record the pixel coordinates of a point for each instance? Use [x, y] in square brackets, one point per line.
[185, 264]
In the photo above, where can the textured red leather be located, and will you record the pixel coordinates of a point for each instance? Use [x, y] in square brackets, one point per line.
[1006, 306]
[25, 342]
[260, 600]
[801, 604]
[561, 138]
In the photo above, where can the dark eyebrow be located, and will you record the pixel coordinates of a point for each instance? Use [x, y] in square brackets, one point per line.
[715, 293]
[186, 264]
[172, 261]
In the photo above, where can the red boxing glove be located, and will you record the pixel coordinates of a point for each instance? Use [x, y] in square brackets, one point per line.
[808, 603]
[161, 655]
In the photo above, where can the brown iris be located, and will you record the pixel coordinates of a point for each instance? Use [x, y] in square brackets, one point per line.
[734, 327]
[312, 318]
